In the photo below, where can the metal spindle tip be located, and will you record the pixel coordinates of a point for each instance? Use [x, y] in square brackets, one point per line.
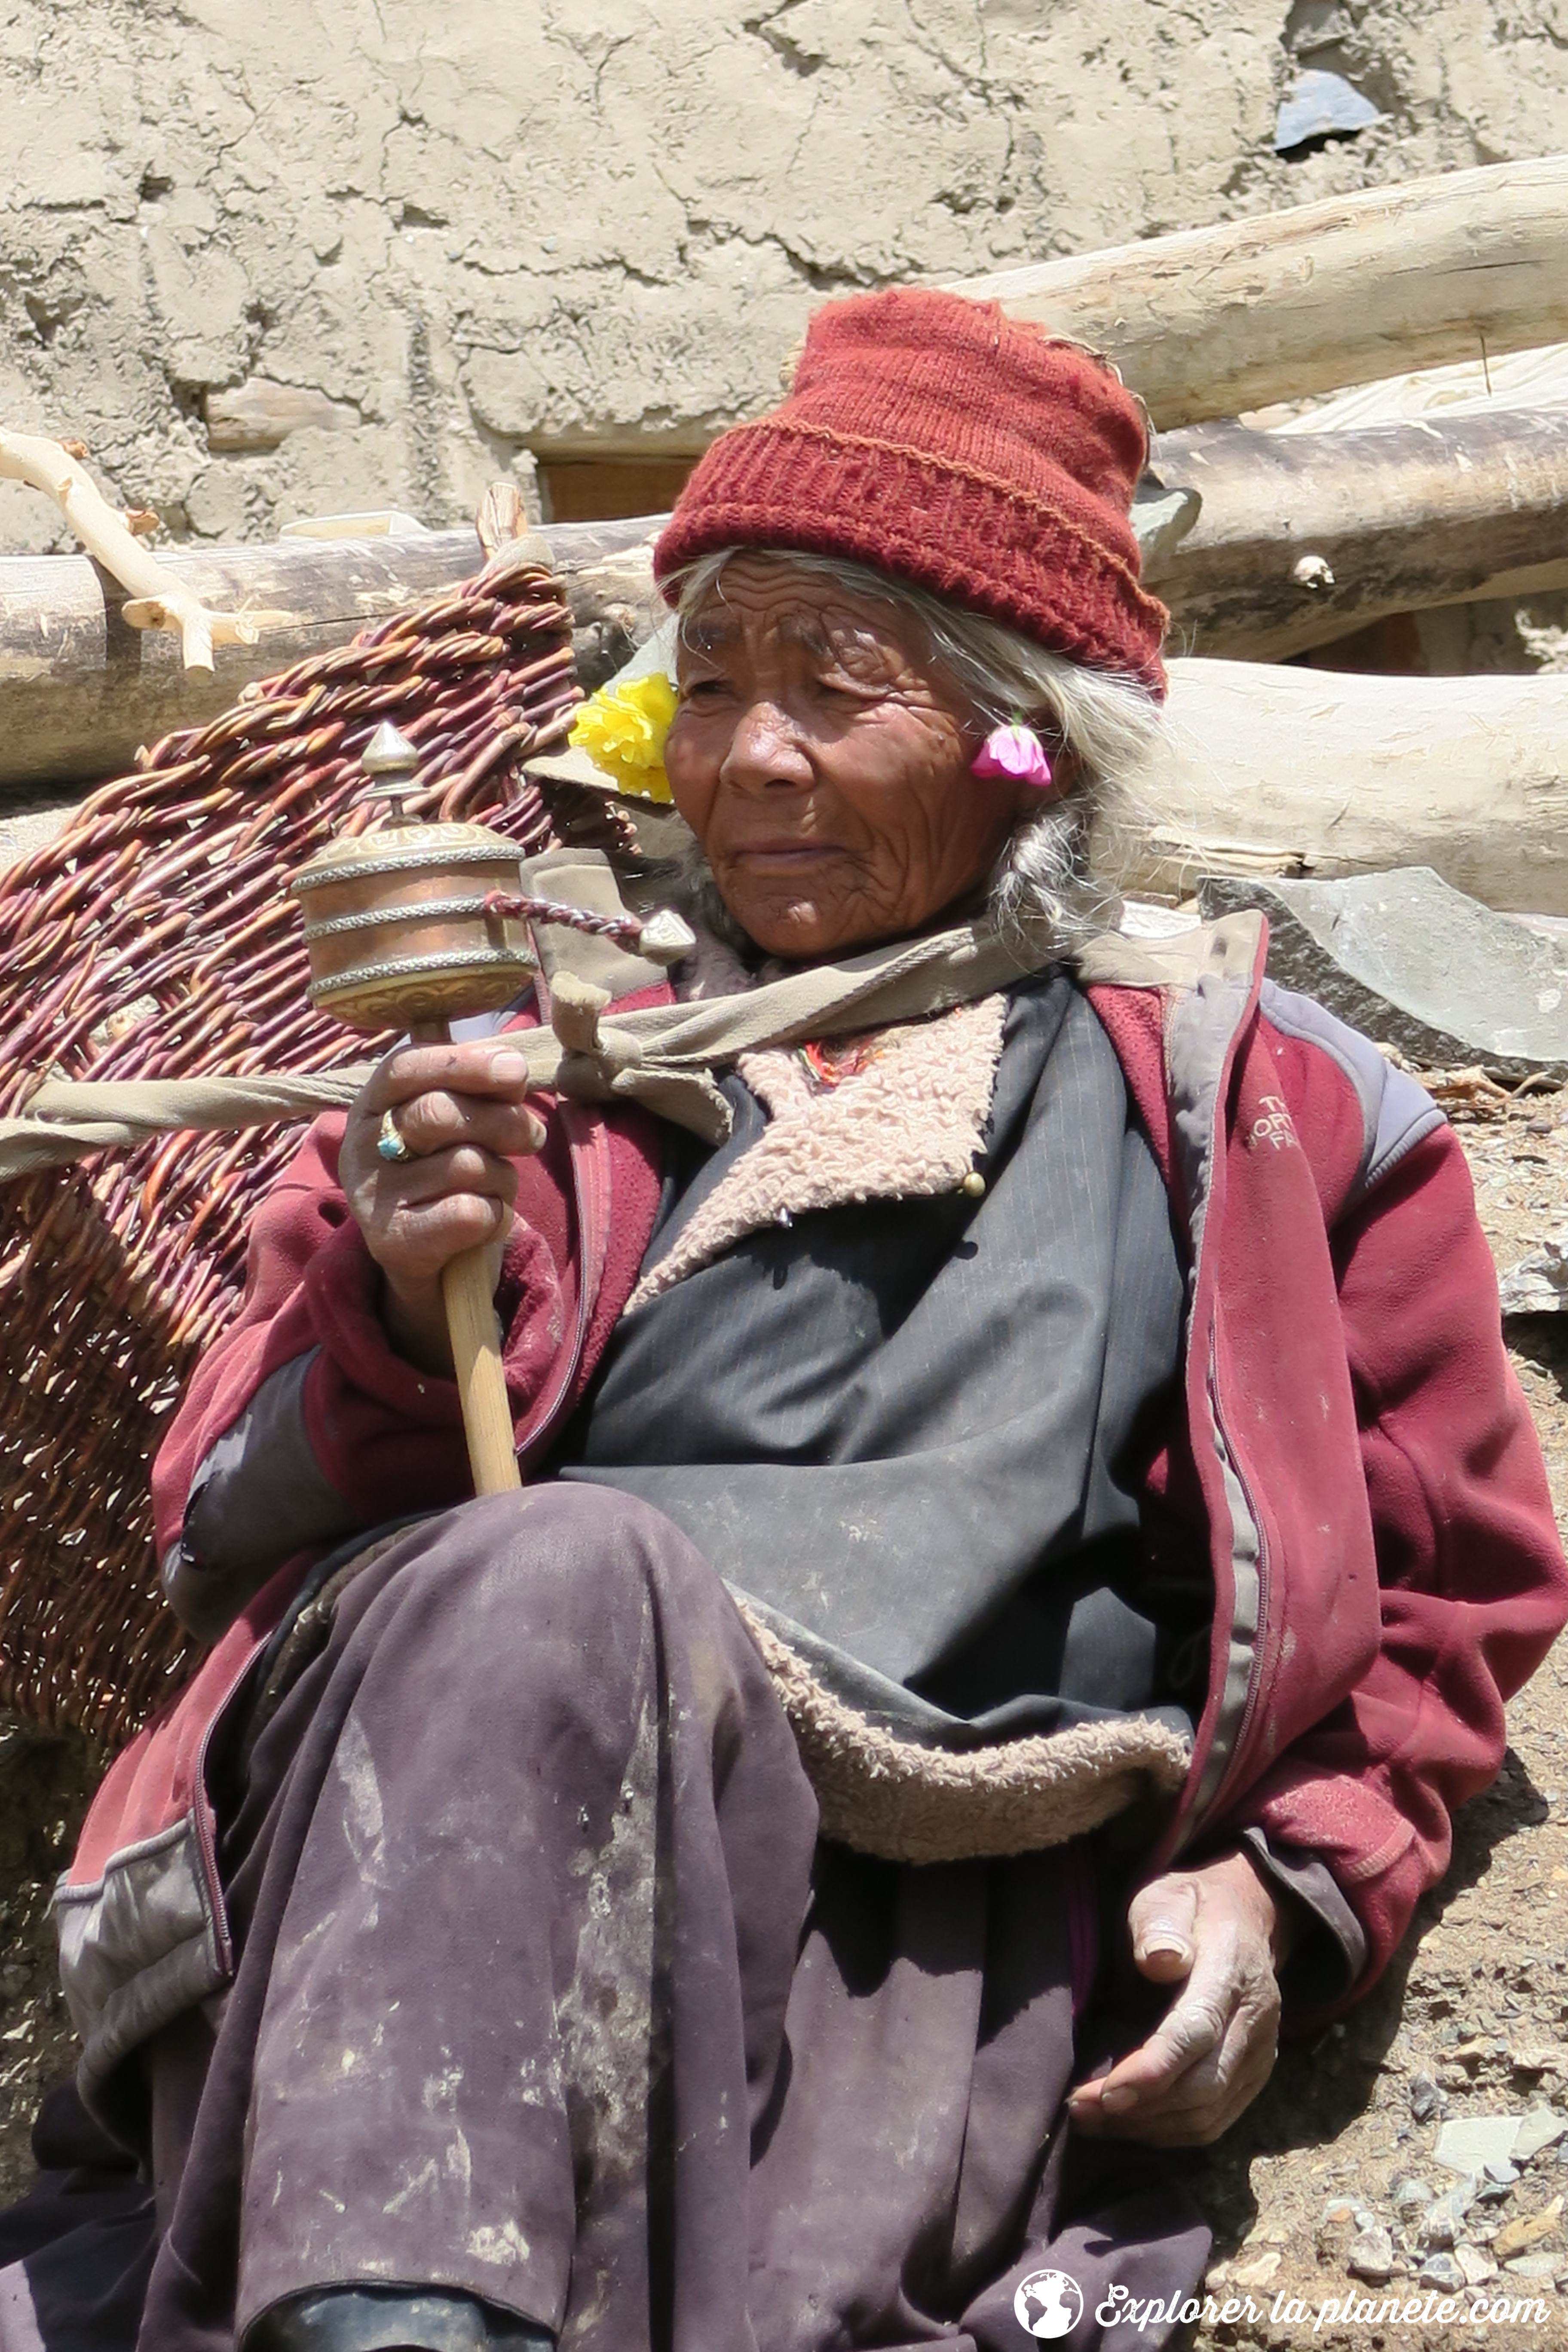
[665, 938]
[388, 753]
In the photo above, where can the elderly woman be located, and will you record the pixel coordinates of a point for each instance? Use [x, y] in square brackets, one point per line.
[1027, 1524]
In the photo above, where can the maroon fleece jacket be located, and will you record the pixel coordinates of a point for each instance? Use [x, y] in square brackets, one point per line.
[1385, 1561]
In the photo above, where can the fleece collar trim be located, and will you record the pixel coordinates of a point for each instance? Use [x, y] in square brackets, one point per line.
[910, 1123]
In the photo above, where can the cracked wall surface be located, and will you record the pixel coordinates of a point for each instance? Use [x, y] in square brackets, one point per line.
[297, 258]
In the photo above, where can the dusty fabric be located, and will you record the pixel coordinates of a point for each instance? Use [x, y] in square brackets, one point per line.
[912, 1432]
[76, 2252]
[1324, 1366]
[835, 1386]
[698, 2083]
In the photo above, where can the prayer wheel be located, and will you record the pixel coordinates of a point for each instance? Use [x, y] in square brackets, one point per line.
[396, 925]
[400, 935]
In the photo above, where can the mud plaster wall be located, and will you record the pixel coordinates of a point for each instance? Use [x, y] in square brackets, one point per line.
[459, 233]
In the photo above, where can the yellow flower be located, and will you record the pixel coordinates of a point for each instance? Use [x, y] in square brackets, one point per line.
[622, 728]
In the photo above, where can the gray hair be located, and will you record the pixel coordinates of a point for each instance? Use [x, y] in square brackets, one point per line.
[1042, 885]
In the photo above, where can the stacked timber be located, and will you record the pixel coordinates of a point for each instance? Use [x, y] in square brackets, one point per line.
[1296, 537]
[81, 687]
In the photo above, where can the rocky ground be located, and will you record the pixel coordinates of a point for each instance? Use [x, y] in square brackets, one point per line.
[1333, 2187]
[44, 1787]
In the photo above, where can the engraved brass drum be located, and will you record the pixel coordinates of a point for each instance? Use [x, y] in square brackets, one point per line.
[396, 929]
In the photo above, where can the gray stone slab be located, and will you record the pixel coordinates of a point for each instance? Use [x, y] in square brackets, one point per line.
[1541, 2127]
[1417, 965]
[1470, 2143]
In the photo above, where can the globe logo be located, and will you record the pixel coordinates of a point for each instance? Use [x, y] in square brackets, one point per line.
[1048, 2304]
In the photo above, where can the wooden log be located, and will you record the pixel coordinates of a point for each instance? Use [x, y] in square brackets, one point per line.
[1310, 772]
[1304, 536]
[1301, 538]
[1303, 772]
[80, 689]
[1213, 322]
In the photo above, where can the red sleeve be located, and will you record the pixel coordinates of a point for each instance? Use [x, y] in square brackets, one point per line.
[388, 1437]
[1473, 1584]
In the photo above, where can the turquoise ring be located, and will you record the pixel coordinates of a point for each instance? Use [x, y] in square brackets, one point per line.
[390, 1142]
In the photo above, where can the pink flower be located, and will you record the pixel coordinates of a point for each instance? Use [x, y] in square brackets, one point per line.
[1016, 751]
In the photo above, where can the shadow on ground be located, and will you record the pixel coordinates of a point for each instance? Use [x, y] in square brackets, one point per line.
[44, 1783]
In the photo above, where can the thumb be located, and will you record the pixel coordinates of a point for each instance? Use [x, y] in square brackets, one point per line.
[1161, 1917]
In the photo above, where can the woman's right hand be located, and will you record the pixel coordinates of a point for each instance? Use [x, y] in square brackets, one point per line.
[459, 1109]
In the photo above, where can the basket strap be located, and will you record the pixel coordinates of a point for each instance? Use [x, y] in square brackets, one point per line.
[661, 1055]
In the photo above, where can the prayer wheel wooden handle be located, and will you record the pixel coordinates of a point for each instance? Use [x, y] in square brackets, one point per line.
[473, 1326]
[475, 1331]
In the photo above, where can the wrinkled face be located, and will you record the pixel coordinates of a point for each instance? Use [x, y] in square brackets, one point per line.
[824, 766]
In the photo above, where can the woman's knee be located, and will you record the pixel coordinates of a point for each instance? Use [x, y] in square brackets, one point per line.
[579, 1582]
[584, 1554]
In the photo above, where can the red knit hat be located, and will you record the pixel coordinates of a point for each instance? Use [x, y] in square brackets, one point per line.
[936, 440]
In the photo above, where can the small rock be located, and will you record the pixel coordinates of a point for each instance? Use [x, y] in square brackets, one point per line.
[1441, 2224]
[1517, 2237]
[1550, 2058]
[1476, 2267]
[1372, 2257]
[1258, 2272]
[1339, 2213]
[1321, 105]
[1425, 2099]
[1442, 2271]
[1535, 2266]
[1500, 2176]
[1541, 2128]
[1412, 2196]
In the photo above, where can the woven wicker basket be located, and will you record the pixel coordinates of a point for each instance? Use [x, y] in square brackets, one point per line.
[151, 938]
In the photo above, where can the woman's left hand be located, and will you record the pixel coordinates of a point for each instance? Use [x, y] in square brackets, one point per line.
[1217, 1931]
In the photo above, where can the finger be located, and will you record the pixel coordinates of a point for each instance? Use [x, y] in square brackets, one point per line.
[1163, 1918]
[436, 1121]
[1201, 2105]
[1193, 2026]
[424, 1235]
[1196, 2108]
[434, 1176]
[1205, 2093]
[481, 1067]
[1245, 2054]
